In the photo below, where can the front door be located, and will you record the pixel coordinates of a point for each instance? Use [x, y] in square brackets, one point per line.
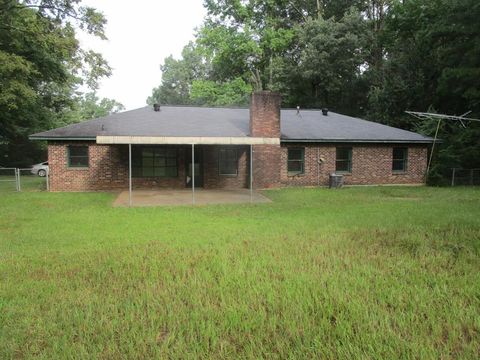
[198, 161]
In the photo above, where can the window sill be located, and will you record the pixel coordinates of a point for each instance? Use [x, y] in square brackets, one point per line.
[295, 174]
[77, 168]
[399, 172]
[228, 175]
[344, 173]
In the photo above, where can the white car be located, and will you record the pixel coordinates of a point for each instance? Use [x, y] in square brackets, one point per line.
[40, 169]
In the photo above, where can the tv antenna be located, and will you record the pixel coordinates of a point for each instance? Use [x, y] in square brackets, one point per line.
[427, 116]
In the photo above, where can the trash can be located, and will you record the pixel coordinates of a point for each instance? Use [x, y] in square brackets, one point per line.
[336, 181]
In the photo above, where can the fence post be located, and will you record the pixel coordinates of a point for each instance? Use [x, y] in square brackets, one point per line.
[16, 179]
[453, 177]
[19, 181]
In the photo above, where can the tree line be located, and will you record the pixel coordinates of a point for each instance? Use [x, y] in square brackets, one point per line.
[368, 58]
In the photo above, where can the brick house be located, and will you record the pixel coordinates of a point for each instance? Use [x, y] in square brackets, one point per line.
[260, 147]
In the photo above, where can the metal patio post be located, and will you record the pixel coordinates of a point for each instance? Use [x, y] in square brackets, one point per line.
[129, 174]
[47, 179]
[251, 173]
[193, 174]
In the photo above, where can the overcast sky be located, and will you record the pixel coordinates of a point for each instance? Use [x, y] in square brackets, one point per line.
[141, 34]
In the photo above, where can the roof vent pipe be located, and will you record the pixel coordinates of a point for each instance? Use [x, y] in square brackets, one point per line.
[325, 112]
[156, 107]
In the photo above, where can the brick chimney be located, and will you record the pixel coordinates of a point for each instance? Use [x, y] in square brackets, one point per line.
[265, 122]
[265, 114]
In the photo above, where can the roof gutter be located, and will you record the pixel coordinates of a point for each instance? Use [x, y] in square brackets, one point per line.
[90, 138]
[357, 141]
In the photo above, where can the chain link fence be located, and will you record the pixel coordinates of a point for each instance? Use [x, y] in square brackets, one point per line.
[8, 179]
[465, 177]
[26, 179]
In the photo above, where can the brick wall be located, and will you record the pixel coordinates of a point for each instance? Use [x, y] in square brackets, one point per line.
[105, 171]
[371, 164]
[108, 169]
[266, 166]
[212, 178]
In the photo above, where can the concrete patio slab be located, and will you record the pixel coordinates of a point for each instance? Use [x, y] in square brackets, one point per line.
[184, 197]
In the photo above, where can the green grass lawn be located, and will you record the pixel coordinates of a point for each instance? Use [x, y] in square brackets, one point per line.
[377, 272]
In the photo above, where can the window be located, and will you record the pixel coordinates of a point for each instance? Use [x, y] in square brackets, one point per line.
[77, 156]
[344, 160]
[296, 157]
[400, 159]
[154, 162]
[227, 162]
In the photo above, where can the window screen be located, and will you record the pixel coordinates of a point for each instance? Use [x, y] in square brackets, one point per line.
[296, 161]
[78, 156]
[344, 159]
[399, 159]
[154, 162]
[227, 162]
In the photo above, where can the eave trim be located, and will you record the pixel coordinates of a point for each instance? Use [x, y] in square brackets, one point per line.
[187, 140]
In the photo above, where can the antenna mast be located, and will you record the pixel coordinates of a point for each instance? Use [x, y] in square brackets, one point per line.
[440, 117]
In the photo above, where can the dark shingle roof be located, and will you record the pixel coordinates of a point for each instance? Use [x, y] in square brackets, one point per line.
[313, 125]
[309, 125]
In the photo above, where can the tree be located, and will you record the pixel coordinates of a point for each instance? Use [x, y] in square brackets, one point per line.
[89, 106]
[208, 92]
[432, 62]
[191, 80]
[325, 68]
[245, 38]
[255, 41]
[41, 66]
[178, 76]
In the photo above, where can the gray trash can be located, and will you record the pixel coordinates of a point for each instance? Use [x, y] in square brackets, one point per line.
[336, 181]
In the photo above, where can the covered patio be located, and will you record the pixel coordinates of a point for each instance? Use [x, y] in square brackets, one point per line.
[217, 191]
[184, 197]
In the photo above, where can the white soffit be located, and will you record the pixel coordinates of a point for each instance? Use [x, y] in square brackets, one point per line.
[188, 140]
